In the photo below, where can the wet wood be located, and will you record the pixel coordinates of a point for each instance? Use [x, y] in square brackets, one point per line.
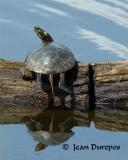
[15, 95]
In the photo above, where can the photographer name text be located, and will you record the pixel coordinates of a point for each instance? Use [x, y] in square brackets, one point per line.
[93, 147]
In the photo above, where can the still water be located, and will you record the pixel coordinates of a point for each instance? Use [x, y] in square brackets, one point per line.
[95, 31]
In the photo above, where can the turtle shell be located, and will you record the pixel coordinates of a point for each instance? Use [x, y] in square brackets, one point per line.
[50, 58]
[51, 138]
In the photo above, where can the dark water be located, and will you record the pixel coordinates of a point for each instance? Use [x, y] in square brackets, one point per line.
[95, 31]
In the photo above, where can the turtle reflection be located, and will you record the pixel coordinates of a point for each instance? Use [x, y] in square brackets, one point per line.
[52, 127]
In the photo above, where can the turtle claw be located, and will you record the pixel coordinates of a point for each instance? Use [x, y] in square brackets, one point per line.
[26, 73]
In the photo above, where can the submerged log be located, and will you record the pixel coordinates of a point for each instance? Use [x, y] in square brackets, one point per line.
[15, 95]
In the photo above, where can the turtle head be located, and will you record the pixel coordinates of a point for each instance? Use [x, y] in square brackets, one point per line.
[40, 32]
[43, 35]
[40, 146]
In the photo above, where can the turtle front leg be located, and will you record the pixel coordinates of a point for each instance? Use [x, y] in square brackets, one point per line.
[26, 73]
[38, 84]
[62, 84]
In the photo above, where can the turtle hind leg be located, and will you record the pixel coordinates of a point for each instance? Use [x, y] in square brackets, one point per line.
[38, 84]
[62, 84]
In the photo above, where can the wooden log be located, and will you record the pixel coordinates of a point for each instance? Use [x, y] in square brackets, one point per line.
[15, 95]
[111, 85]
[111, 95]
[108, 86]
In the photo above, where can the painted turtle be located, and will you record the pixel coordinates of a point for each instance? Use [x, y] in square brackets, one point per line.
[50, 58]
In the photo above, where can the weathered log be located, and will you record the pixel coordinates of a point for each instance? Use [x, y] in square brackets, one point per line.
[108, 88]
[15, 92]
[111, 85]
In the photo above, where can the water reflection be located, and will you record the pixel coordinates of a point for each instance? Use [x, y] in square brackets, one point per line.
[53, 127]
[112, 119]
